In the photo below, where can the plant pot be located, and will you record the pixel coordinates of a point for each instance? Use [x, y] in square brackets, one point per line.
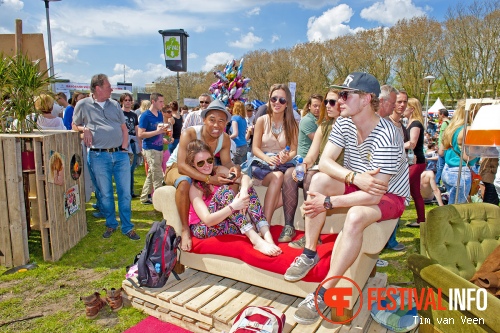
[28, 161]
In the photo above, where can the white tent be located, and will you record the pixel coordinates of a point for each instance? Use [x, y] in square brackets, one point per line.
[118, 92]
[434, 109]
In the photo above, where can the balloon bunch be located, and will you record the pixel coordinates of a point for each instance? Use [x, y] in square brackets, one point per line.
[231, 86]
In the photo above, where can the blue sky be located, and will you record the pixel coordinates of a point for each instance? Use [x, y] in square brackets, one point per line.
[104, 36]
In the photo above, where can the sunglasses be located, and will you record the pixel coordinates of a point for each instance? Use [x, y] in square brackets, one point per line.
[204, 102]
[345, 94]
[201, 163]
[127, 100]
[332, 102]
[275, 99]
[167, 111]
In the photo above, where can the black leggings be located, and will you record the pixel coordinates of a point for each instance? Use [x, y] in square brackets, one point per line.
[290, 193]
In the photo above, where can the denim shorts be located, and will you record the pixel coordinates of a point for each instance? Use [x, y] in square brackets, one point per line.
[261, 170]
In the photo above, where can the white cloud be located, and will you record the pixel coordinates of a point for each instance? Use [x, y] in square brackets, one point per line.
[274, 38]
[247, 41]
[139, 76]
[215, 59]
[200, 29]
[388, 12]
[63, 53]
[253, 11]
[330, 24]
[192, 56]
[12, 4]
[236, 29]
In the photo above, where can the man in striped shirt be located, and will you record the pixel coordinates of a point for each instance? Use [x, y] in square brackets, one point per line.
[373, 184]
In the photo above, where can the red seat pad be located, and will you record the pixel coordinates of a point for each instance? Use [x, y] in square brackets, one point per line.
[240, 247]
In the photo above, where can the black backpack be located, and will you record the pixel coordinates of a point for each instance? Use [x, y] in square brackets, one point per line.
[159, 256]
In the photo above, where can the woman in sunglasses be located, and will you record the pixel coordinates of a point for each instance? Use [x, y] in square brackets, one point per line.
[273, 132]
[217, 210]
[328, 113]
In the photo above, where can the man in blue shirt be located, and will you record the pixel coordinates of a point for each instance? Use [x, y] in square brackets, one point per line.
[62, 100]
[151, 131]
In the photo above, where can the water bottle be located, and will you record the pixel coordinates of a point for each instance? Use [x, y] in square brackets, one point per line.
[157, 268]
[299, 169]
[285, 151]
[410, 155]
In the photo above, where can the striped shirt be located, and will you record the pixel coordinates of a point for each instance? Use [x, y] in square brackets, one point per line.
[383, 149]
[192, 119]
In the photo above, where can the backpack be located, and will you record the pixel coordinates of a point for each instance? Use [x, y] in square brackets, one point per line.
[159, 256]
[255, 319]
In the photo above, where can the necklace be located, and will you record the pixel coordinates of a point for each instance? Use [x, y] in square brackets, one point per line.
[276, 130]
[397, 123]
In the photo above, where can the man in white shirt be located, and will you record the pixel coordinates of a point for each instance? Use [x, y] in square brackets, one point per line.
[194, 118]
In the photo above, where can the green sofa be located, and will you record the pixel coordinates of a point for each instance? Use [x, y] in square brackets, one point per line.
[454, 242]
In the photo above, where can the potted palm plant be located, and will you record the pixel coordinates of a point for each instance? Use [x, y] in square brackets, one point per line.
[23, 82]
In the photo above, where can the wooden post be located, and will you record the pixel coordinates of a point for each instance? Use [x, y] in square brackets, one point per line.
[18, 47]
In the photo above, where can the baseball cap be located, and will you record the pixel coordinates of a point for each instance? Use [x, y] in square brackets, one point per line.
[216, 105]
[360, 81]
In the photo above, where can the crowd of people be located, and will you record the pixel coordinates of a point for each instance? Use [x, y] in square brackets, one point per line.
[363, 146]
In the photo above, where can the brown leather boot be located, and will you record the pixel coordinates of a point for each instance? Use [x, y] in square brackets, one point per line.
[114, 298]
[93, 304]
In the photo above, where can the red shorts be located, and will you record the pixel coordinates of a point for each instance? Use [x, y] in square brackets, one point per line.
[391, 206]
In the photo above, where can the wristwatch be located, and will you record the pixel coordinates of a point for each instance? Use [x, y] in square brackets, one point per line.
[327, 204]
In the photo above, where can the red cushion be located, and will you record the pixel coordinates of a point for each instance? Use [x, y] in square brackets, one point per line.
[240, 247]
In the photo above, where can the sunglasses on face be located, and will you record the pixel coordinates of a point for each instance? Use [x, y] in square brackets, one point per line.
[344, 95]
[127, 100]
[330, 101]
[275, 99]
[167, 111]
[204, 102]
[201, 163]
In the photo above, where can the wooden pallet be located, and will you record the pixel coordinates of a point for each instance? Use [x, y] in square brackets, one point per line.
[28, 196]
[203, 302]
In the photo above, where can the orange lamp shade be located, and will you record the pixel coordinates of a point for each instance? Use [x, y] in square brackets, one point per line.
[483, 137]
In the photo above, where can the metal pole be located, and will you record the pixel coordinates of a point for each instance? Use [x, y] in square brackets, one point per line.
[49, 38]
[427, 106]
[178, 89]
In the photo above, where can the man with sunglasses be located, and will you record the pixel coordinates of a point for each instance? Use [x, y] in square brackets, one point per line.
[194, 117]
[180, 174]
[373, 184]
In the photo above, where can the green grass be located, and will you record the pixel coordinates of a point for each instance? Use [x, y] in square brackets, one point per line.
[53, 290]
[397, 270]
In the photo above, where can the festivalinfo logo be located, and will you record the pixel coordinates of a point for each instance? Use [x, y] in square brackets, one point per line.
[461, 299]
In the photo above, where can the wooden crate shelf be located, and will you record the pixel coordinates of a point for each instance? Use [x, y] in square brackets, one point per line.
[21, 192]
[202, 302]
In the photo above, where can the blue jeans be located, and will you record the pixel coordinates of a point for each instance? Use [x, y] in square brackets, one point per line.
[94, 184]
[392, 242]
[450, 177]
[107, 166]
[133, 147]
[439, 171]
[171, 147]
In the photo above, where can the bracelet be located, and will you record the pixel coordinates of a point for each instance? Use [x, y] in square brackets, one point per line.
[352, 178]
[207, 180]
[346, 179]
